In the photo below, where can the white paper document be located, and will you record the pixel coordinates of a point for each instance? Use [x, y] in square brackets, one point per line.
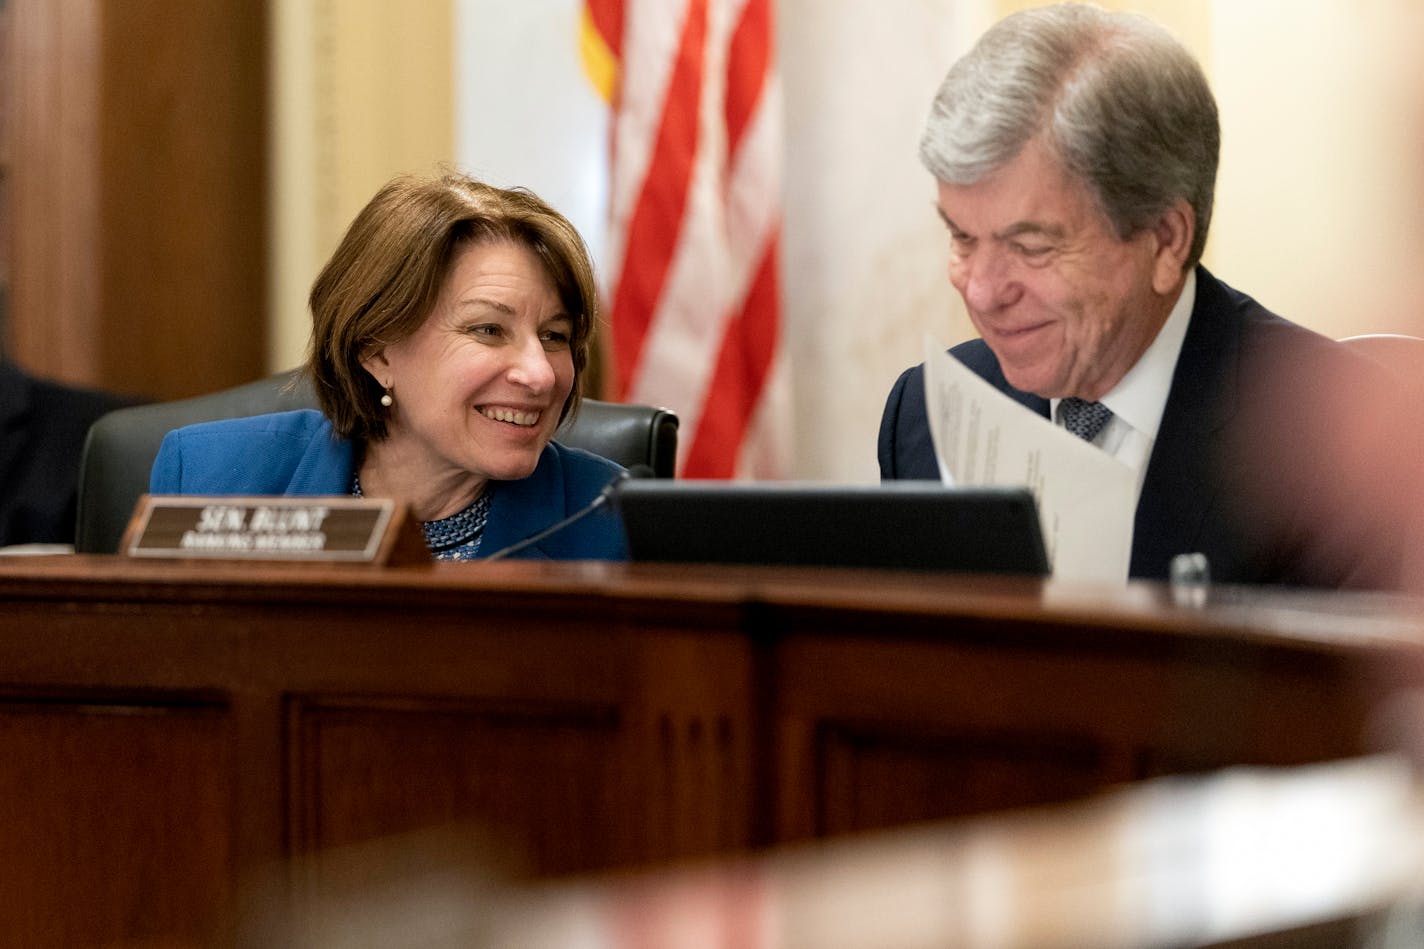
[1086, 498]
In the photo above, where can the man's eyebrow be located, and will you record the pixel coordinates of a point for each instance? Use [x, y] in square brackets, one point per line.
[1051, 231]
[1018, 229]
[945, 218]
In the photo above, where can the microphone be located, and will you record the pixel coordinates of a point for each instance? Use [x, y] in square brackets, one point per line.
[600, 500]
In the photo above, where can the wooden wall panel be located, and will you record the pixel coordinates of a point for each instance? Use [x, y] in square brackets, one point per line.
[7, 82]
[53, 102]
[183, 195]
[121, 818]
[138, 182]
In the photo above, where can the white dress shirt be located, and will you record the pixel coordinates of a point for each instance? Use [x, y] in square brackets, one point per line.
[1138, 400]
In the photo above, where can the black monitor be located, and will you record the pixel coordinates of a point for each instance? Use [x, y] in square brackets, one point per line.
[906, 525]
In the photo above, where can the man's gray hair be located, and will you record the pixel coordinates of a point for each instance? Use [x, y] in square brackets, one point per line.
[1118, 99]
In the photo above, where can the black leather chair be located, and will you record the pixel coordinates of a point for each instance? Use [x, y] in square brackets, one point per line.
[119, 451]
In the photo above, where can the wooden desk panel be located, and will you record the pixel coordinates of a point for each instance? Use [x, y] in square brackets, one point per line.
[117, 818]
[365, 767]
[591, 716]
[946, 720]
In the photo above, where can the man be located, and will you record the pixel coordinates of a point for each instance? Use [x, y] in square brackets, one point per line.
[42, 430]
[1075, 152]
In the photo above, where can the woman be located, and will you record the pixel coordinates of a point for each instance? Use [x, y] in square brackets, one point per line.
[449, 330]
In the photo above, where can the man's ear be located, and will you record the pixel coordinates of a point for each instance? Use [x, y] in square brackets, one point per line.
[1175, 229]
[375, 362]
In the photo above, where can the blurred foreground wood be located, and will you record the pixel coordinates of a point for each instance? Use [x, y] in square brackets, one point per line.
[172, 731]
[1322, 857]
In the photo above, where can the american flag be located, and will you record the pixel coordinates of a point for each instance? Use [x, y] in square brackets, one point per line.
[693, 289]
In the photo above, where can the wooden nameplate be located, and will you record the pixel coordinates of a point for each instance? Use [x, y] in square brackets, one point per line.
[314, 529]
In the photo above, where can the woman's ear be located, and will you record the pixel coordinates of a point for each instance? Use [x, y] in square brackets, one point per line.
[375, 362]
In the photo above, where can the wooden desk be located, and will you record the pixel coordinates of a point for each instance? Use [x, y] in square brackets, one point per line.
[1319, 857]
[167, 728]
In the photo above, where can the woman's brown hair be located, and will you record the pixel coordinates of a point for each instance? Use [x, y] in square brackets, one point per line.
[382, 282]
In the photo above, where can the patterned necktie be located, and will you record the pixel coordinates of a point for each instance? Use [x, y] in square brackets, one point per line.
[1084, 419]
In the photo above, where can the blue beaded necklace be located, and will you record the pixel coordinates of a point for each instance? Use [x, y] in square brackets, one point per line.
[456, 537]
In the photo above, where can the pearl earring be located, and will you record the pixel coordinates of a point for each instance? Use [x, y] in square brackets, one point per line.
[386, 399]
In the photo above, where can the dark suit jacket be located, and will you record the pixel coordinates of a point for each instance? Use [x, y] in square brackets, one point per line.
[1237, 470]
[42, 431]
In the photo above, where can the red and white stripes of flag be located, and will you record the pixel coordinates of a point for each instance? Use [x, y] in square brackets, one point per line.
[695, 213]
